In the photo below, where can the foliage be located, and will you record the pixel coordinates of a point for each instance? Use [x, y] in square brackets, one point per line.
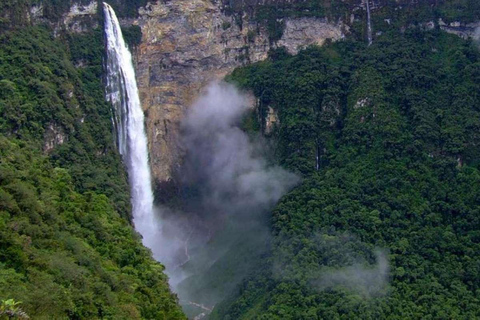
[386, 138]
[127, 8]
[71, 255]
[67, 249]
[44, 97]
[10, 309]
[14, 14]
[399, 13]
[132, 35]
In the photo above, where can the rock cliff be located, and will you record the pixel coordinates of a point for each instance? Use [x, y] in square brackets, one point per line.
[188, 43]
[464, 30]
[79, 18]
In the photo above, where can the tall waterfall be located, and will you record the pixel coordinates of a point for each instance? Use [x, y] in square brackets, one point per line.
[128, 118]
[369, 24]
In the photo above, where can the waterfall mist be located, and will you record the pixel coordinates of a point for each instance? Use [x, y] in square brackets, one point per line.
[218, 229]
[366, 280]
[128, 118]
[369, 24]
[227, 187]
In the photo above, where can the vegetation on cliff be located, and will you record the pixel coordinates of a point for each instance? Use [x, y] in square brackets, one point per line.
[386, 14]
[386, 222]
[67, 249]
[15, 14]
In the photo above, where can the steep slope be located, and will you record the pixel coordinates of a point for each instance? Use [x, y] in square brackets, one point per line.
[385, 224]
[67, 250]
[386, 138]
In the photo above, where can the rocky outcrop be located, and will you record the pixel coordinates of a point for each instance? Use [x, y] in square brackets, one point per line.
[271, 120]
[301, 32]
[463, 30]
[79, 18]
[54, 136]
[188, 43]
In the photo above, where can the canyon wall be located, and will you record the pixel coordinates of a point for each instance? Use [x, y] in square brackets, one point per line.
[188, 43]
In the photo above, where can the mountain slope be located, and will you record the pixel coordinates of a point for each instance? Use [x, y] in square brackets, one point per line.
[388, 225]
[67, 249]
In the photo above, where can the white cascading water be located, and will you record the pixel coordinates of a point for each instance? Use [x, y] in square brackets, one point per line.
[128, 119]
[369, 24]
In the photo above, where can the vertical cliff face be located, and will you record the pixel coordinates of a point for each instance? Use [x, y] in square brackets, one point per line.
[185, 44]
[188, 43]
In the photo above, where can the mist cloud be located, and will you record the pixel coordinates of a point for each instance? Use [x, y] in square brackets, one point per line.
[226, 187]
[337, 261]
[367, 280]
[231, 168]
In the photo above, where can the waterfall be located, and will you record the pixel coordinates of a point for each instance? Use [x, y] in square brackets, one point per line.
[369, 24]
[128, 118]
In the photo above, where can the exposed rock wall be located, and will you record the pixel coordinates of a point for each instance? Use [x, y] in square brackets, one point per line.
[188, 43]
[80, 18]
[463, 30]
[54, 136]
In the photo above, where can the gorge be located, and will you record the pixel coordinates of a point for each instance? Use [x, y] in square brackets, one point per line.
[239, 159]
[236, 186]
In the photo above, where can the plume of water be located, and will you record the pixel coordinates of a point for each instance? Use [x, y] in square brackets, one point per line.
[128, 119]
[369, 24]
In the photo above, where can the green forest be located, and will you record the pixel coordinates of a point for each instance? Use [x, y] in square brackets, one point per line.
[386, 139]
[67, 248]
[386, 222]
[398, 13]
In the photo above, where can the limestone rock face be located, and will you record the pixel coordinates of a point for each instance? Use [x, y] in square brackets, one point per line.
[188, 43]
[54, 136]
[302, 32]
[271, 120]
[80, 18]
